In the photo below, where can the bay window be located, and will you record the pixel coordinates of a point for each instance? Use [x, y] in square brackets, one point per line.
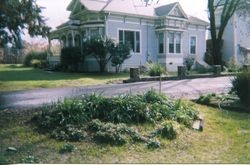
[174, 43]
[161, 42]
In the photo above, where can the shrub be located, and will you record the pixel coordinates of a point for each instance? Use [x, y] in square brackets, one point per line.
[167, 130]
[205, 99]
[32, 58]
[241, 86]
[29, 159]
[69, 133]
[189, 62]
[67, 148]
[109, 132]
[70, 58]
[39, 63]
[104, 119]
[156, 69]
[232, 66]
[153, 144]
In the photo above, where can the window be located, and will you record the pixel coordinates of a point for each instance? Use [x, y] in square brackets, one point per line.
[132, 38]
[174, 40]
[171, 42]
[178, 43]
[193, 45]
[161, 42]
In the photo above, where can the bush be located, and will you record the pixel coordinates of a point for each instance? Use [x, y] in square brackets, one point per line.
[39, 63]
[67, 148]
[153, 144]
[36, 59]
[156, 69]
[232, 66]
[69, 133]
[204, 99]
[115, 134]
[70, 58]
[189, 62]
[167, 130]
[104, 119]
[241, 86]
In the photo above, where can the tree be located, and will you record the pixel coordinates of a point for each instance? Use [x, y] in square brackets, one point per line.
[101, 49]
[228, 8]
[120, 53]
[147, 2]
[17, 15]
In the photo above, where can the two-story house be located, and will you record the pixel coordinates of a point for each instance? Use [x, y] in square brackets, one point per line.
[163, 34]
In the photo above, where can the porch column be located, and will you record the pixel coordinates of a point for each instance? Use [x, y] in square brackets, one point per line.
[67, 41]
[73, 38]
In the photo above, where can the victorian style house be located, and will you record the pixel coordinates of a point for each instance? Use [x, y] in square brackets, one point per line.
[163, 34]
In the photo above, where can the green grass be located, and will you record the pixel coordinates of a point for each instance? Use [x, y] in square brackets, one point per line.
[16, 77]
[225, 139]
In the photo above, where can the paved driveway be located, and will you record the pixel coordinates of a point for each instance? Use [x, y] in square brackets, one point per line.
[189, 88]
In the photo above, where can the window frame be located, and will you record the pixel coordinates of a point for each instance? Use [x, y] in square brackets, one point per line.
[190, 44]
[137, 49]
[163, 43]
[174, 46]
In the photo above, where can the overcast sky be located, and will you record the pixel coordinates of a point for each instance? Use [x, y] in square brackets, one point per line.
[56, 13]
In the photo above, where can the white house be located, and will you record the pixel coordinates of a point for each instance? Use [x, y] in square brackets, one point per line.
[236, 38]
[162, 34]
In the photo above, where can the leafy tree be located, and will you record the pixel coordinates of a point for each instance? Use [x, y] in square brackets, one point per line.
[228, 8]
[101, 49]
[17, 15]
[120, 53]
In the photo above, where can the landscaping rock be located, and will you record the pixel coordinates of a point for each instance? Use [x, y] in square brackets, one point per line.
[198, 125]
[11, 149]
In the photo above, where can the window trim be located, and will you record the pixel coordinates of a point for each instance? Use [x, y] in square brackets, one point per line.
[181, 44]
[164, 43]
[191, 45]
[131, 30]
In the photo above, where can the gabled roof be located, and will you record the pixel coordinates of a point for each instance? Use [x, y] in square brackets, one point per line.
[165, 10]
[197, 21]
[134, 7]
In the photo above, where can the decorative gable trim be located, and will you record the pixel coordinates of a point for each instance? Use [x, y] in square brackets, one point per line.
[177, 8]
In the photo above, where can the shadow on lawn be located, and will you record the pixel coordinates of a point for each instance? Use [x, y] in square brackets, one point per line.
[20, 73]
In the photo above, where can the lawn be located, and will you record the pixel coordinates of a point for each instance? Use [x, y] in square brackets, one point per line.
[16, 77]
[225, 139]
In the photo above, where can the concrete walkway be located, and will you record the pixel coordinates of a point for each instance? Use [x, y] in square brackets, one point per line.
[189, 88]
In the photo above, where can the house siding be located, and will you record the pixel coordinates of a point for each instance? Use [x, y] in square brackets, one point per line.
[147, 38]
[236, 35]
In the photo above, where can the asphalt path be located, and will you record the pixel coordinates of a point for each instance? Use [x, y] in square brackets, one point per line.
[188, 88]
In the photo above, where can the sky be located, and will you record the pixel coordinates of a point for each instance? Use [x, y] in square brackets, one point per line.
[55, 11]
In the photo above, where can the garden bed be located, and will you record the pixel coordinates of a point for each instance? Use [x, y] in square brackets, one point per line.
[223, 101]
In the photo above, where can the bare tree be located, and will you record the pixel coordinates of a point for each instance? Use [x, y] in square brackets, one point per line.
[227, 8]
[147, 2]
